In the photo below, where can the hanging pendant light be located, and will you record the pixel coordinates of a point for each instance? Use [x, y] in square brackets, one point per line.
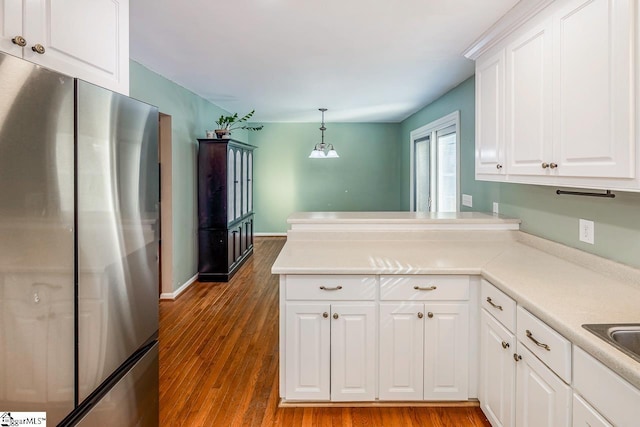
[322, 150]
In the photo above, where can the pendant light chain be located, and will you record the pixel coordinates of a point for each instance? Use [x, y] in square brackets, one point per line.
[322, 150]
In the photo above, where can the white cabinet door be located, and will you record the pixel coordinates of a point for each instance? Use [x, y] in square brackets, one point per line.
[10, 26]
[490, 114]
[529, 101]
[585, 416]
[401, 351]
[497, 372]
[89, 40]
[353, 352]
[542, 398]
[307, 334]
[446, 344]
[595, 91]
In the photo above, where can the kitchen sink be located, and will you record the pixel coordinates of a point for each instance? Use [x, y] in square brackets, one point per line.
[623, 336]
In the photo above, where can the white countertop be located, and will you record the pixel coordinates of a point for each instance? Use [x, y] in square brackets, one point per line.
[558, 284]
[355, 221]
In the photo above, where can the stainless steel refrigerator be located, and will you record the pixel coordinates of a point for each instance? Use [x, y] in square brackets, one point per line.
[79, 229]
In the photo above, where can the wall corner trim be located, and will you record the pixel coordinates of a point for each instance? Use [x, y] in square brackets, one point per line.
[175, 294]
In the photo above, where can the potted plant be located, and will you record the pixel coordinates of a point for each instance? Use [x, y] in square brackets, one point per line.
[228, 123]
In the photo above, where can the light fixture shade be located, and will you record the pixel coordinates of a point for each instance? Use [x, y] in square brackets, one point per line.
[332, 154]
[317, 154]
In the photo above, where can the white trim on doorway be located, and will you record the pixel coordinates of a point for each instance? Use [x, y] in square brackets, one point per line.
[422, 132]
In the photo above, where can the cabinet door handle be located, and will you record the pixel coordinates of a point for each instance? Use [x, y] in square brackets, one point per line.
[494, 305]
[38, 48]
[324, 288]
[430, 288]
[420, 315]
[335, 315]
[505, 345]
[430, 315]
[553, 165]
[517, 357]
[536, 342]
[19, 40]
[325, 314]
[545, 165]
[498, 166]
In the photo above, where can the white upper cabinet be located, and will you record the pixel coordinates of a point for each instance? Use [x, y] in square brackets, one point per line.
[569, 97]
[529, 109]
[490, 115]
[594, 96]
[84, 39]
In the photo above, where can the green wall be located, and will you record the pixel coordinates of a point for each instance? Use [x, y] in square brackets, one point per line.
[190, 115]
[461, 98]
[543, 213]
[366, 177]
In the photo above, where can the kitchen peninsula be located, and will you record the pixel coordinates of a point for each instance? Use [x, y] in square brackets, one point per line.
[391, 306]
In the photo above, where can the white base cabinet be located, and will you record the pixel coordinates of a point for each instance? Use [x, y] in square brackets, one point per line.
[542, 398]
[497, 372]
[424, 351]
[585, 416]
[330, 351]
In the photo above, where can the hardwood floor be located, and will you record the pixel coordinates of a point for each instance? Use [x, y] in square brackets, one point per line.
[219, 360]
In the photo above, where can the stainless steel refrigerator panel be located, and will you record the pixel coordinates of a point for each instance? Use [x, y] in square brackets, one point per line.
[117, 198]
[133, 401]
[36, 240]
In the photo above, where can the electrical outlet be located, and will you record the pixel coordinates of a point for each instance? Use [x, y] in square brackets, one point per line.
[587, 231]
[467, 200]
[496, 208]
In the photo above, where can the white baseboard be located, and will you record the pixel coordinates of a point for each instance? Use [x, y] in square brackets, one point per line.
[175, 294]
[270, 234]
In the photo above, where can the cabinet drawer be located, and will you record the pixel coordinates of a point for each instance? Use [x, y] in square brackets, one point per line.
[330, 287]
[550, 347]
[424, 288]
[610, 394]
[498, 304]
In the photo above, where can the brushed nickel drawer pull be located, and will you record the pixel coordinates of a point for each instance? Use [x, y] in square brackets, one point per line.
[536, 342]
[324, 288]
[494, 305]
[430, 288]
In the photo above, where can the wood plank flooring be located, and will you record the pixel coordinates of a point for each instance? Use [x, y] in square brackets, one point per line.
[219, 360]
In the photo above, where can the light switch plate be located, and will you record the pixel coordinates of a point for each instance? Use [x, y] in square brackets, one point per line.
[587, 231]
[496, 208]
[467, 200]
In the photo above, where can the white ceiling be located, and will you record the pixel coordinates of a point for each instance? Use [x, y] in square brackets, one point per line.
[364, 60]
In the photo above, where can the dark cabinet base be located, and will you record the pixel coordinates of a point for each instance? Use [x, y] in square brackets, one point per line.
[226, 276]
[223, 251]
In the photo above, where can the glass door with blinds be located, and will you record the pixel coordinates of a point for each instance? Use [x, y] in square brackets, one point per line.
[435, 166]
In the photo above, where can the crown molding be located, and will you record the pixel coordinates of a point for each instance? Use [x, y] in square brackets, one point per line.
[523, 11]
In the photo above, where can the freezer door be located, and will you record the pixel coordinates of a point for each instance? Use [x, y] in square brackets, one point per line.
[133, 401]
[117, 214]
[36, 240]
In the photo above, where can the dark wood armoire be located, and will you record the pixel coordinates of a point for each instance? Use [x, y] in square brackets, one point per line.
[225, 207]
